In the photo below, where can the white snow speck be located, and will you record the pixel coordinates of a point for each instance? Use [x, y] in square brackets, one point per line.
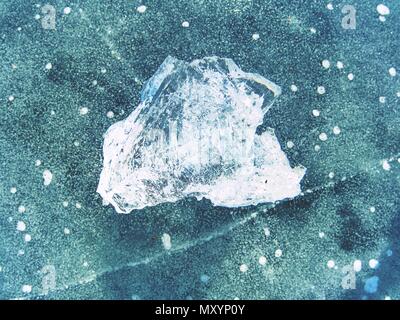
[21, 209]
[278, 253]
[386, 165]
[331, 264]
[262, 260]
[67, 231]
[326, 64]
[38, 163]
[243, 268]
[316, 113]
[11, 98]
[321, 89]
[13, 190]
[47, 177]
[26, 288]
[27, 238]
[185, 24]
[141, 9]
[357, 265]
[336, 130]
[350, 76]
[373, 263]
[110, 114]
[294, 88]
[48, 66]
[290, 144]
[21, 226]
[67, 10]
[339, 65]
[83, 111]
[255, 36]
[372, 209]
[323, 136]
[382, 99]
[166, 241]
[392, 71]
[329, 6]
[382, 9]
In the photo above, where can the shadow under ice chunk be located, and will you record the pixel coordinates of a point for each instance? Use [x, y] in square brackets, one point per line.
[194, 134]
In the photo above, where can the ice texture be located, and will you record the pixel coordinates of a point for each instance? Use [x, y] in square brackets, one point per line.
[194, 135]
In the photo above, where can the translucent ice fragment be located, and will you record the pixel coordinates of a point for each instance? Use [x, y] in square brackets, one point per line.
[194, 134]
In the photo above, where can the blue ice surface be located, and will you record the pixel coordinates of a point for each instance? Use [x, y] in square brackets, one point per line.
[371, 284]
[111, 256]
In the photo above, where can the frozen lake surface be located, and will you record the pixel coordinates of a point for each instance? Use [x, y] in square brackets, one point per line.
[71, 71]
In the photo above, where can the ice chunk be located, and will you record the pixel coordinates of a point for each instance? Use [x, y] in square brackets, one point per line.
[194, 134]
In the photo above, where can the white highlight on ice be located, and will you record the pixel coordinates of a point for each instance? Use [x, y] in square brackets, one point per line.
[373, 263]
[67, 10]
[141, 9]
[83, 111]
[243, 268]
[262, 260]
[166, 241]
[323, 136]
[47, 177]
[21, 226]
[357, 265]
[278, 253]
[385, 165]
[26, 288]
[326, 64]
[382, 9]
